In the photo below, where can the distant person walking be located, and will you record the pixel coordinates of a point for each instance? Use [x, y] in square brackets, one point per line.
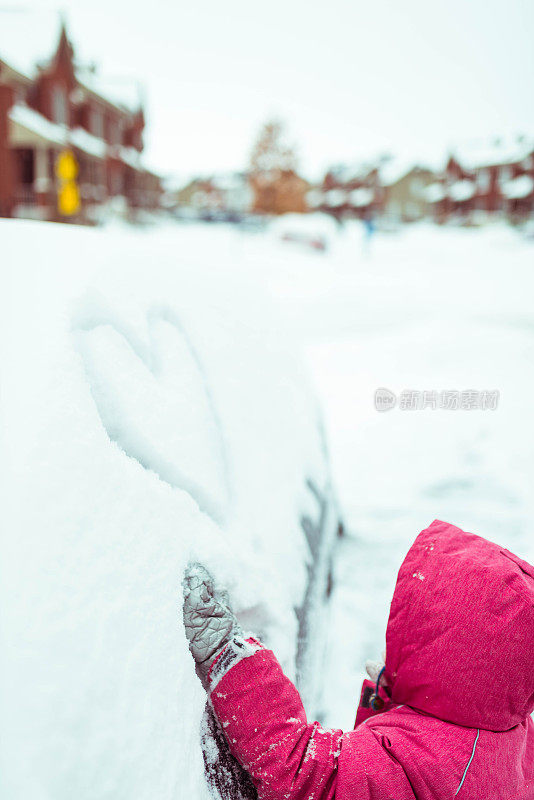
[369, 228]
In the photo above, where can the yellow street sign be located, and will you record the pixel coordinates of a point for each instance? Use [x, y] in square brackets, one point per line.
[66, 166]
[68, 199]
[68, 194]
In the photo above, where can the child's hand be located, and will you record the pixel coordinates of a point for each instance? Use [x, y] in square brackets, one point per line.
[209, 621]
[374, 668]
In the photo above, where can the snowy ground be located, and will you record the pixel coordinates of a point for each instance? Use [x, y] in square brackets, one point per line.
[426, 309]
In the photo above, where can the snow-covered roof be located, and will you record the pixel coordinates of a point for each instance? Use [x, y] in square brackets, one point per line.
[87, 142]
[335, 198]
[131, 156]
[361, 197]
[477, 154]
[518, 187]
[434, 193]
[229, 181]
[462, 190]
[395, 169]
[36, 123]
[33, 121]
[345, 173]
[314, 198]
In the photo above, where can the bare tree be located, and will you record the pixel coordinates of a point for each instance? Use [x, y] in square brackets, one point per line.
[274, 179]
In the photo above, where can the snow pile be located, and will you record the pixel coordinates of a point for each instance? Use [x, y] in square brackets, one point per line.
[128, 349]
[153, 415]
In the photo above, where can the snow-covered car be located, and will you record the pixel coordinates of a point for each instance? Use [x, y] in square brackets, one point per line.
[316, 231]
[155, 414]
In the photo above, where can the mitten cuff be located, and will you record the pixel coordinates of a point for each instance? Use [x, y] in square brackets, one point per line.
[237, 648]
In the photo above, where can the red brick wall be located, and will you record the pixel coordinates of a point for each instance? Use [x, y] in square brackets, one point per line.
[6, 167]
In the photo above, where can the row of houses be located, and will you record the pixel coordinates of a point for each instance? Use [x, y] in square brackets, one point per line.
[70, 144]
[477, 182]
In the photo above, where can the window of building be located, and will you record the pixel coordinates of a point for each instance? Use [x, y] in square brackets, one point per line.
[483, 180]
[506, 174]
[21, 95]
[52, 156]
[120, 131]
[25, 169]
[116, 183]
[114, 132]
[59, 105]
[416, 187]
[97, 123]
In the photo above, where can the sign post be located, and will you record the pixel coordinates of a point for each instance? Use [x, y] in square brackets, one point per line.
[68, 193]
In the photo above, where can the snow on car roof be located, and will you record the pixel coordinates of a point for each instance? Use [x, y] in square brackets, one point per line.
[218, 433]
[315, 224]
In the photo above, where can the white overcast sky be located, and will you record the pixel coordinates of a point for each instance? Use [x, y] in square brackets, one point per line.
[351, 78]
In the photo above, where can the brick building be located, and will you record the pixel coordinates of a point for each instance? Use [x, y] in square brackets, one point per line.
[480, 181]
[349, 192]
[476, 183]
[54, 106]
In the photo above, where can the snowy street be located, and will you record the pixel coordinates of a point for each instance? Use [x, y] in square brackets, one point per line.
[430, 309]
[147, 424]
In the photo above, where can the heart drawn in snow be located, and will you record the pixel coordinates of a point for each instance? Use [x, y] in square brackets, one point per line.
[155, 402]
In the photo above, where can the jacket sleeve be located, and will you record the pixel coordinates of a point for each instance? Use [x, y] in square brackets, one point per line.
[265, 724]
[287, 757]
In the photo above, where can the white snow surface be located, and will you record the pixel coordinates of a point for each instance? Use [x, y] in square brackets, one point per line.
[98, 689]
[153, 413]
[462, 190]
[314, 225]
[519, 187]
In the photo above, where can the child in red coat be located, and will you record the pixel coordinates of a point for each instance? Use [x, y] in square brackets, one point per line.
[449, 714]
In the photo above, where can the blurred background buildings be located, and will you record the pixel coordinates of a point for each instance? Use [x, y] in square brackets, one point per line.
[71, 148]
[55, 109]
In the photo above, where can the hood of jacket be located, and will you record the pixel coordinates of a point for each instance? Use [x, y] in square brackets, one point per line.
[460, 636]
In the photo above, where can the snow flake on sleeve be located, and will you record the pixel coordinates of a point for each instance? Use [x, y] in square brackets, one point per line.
[311, 749]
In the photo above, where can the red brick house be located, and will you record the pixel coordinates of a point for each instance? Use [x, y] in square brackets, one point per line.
[57, 107]
[349, 192]
[481, 181]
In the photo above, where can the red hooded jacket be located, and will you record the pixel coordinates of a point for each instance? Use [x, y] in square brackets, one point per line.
[460, 670]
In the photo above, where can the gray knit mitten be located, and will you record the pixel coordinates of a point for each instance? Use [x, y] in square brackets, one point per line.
[209, 621]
